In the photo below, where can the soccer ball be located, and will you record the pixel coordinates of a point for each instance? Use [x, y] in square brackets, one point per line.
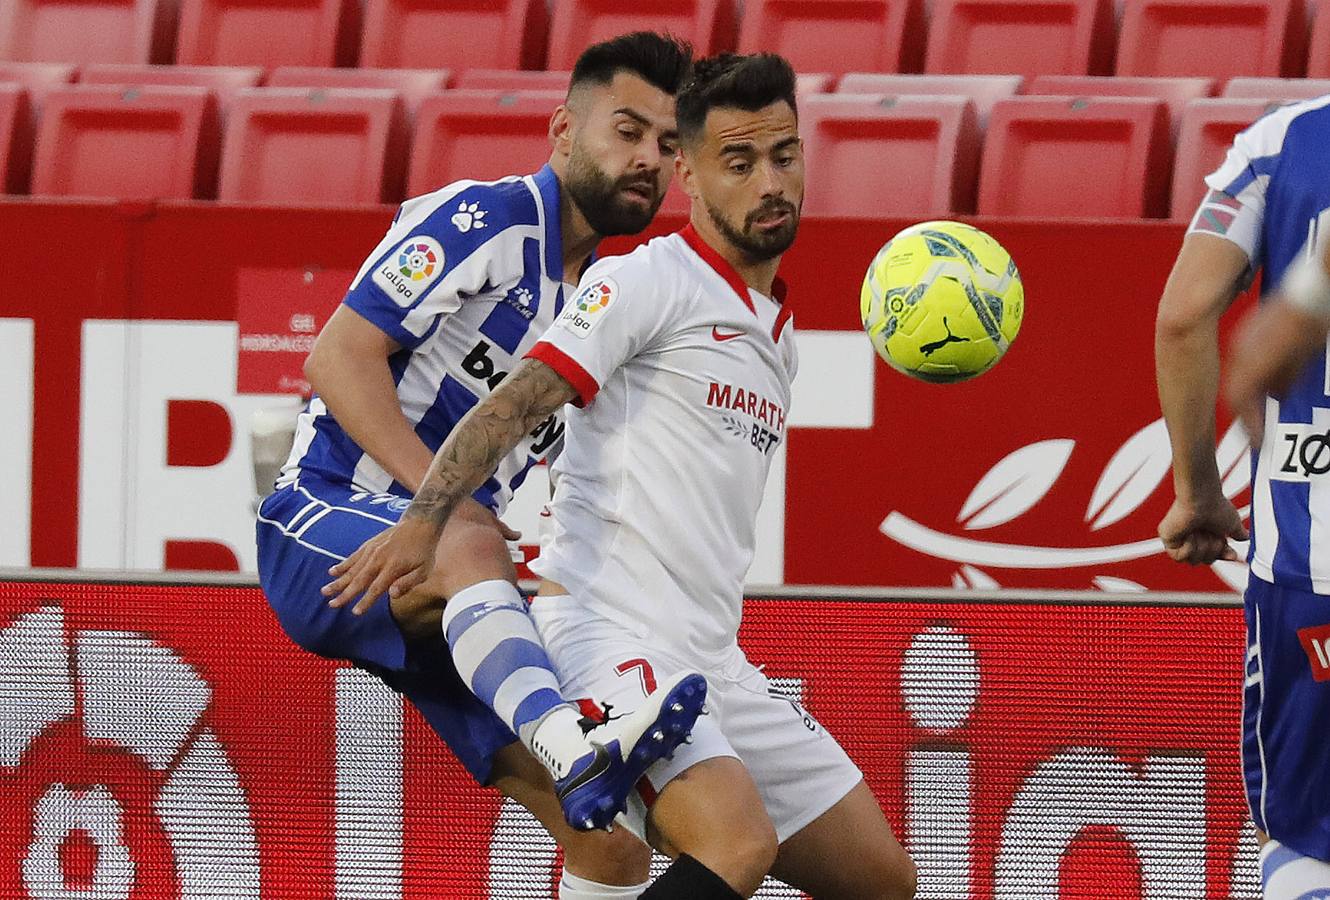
[942, 301]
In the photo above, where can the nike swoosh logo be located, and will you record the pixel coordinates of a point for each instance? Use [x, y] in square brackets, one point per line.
[718, 335]
[598, 767]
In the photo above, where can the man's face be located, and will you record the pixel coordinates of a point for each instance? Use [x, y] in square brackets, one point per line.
[622, 154]
[748, 171]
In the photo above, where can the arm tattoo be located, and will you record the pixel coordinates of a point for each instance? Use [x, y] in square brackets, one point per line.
[486, 434]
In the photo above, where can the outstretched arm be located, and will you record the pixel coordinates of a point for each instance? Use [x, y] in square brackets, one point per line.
[401, 557]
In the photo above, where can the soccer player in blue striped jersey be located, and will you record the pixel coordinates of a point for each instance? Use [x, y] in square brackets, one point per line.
[461, 287]
[1267, 212]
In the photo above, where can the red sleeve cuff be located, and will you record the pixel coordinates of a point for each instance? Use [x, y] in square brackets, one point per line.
[569, 368]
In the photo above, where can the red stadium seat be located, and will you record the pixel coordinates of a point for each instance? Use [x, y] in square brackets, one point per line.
[889, 156]
[808, 83]
[512, 80]
[481, 135]
[1061, 157]
[313, 147]
[454, 34]
[79, 32]
[837, 36]
[982, 90]
[268, 34]
[224, 81]
[1175, 92]
[15, 139]
[38, 79]
[1212, 38]
[1318, 45]
[1276, 88]
[136, 144]
[707, 24]
[412, 85]
[1020, 37]
[1208, 129]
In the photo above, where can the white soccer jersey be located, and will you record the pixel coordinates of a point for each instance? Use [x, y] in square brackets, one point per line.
[684, 379]
[466, 280]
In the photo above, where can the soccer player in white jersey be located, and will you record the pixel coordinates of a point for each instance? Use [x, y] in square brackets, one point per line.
[678, 358]
[464, 283]
[1267, 212]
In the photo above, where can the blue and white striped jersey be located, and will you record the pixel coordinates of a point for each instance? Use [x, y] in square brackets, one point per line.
[1279, 169]
[466, 280]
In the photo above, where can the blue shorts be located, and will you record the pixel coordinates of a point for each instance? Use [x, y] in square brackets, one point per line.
[304, 529]
[1286, 705]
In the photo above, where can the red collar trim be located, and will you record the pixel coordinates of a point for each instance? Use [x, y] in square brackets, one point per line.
[725, 270]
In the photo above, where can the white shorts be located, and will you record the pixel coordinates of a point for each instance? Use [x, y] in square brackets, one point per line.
[800, 770]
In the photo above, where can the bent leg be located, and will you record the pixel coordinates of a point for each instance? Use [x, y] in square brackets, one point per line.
[848, 853]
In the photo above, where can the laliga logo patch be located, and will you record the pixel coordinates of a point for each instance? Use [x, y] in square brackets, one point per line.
[414, 266]
[587, 308]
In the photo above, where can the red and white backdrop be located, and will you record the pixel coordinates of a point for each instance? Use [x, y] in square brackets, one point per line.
[137, 342]
[167, 741]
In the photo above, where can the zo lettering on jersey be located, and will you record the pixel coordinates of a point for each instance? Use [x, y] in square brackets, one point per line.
[1301, 452]
[414, 266]
[587, 309]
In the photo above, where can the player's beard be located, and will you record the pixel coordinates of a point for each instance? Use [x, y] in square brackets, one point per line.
[759, 246]
[600, 197]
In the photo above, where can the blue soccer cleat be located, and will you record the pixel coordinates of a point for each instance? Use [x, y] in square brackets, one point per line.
[597, 785]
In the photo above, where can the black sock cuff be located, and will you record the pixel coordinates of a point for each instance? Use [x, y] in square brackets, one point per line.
[688, 878]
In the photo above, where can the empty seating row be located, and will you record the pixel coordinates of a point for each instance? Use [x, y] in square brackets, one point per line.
[870, 154]
[1201, 38]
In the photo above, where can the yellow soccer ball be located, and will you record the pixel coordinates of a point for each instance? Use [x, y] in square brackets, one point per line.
[942, 301]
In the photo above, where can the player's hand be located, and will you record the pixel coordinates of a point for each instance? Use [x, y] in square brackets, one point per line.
[1272, 347]
[1198, 534]
[393, 561]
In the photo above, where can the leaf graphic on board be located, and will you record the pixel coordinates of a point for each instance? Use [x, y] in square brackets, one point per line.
[969, 577]
[1130, 476]
[1113, 585]
[1233, 460]
[1016, 483]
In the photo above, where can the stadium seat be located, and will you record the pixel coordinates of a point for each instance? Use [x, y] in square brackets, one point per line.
[79, 32]
[224, 81]
[808, 83]
[707, 24]
[289, 33]
[1063, 157]
[37, 79]
[481, 135]
[512, 80]
[1208, 129]
[412, 85]
[880, 156]
[1318, 44]
[982, 90]
[1020, 37]
[837, 36]
[1175, 92]
[1276, 88]
[133, 144]
[15, 139]
[454, 34]
[1212, 38]
[313, 147]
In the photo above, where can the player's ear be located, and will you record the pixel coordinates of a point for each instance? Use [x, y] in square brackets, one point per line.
[683, 173]
[561, 130]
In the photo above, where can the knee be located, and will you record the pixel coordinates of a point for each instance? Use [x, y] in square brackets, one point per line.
[756, 847]
[897, 877]
[616, 858]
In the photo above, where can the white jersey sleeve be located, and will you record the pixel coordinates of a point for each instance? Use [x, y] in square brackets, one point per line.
[623, 306]
[1234, 208]
[438, 252]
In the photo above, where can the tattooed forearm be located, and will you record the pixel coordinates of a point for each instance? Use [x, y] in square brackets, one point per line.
[486, 434]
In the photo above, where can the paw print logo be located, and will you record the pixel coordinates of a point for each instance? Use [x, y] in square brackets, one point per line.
[469, 216]
[522, 296]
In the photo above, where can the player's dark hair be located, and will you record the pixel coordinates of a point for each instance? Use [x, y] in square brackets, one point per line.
[661, 60]
[731, 80]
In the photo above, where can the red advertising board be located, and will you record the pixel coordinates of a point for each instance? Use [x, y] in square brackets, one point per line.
[161, 741]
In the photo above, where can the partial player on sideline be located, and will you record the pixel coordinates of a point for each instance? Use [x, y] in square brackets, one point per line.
[679, 358]
[461, 287]
[1267, 207]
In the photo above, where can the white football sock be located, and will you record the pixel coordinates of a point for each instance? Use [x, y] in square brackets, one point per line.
[571, 887]
[1288, 875]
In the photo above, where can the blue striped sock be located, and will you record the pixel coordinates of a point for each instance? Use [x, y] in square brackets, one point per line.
[499, 655]
[1288, 875]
